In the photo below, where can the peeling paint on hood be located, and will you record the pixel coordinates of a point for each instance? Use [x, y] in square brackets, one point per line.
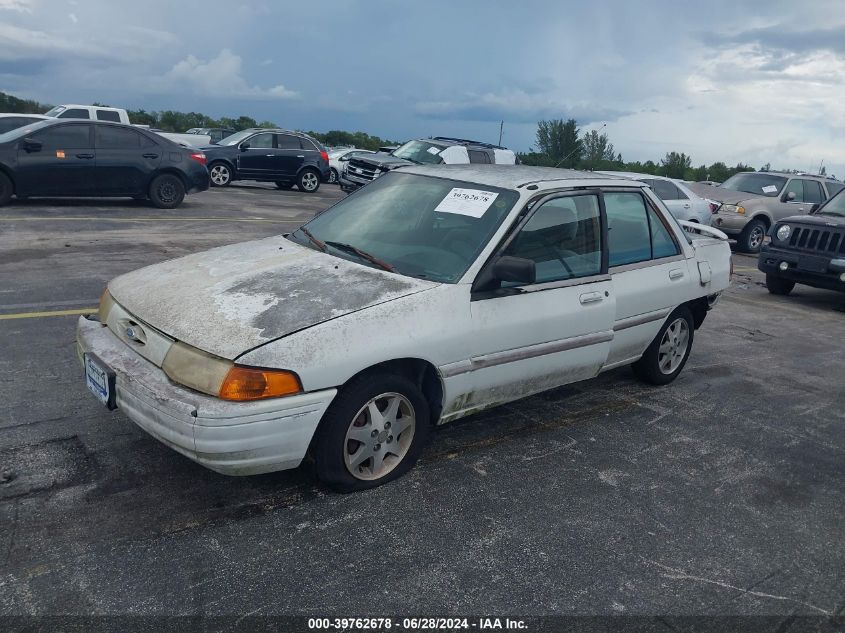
[231, 299]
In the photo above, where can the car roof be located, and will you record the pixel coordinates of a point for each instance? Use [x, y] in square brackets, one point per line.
[29, 114]
[515, 176]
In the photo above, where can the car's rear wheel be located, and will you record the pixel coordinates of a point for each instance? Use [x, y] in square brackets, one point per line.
[334, 177]
[752, 236]
[777, 285]
[167, 191]
[220, 174]
[308, 181]
[372, 433]
[6, 189]
[668, 353]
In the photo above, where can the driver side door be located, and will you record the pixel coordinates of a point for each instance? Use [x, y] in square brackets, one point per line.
[257, 157]
[529, 337]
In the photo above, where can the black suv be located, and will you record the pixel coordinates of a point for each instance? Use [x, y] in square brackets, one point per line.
[440, 150]
[807, 249]
[281, 156]
[63, 157]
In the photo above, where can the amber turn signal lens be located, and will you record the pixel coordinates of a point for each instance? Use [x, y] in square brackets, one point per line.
[249, 383]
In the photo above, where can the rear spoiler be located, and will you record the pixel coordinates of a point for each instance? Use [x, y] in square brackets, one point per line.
[702, 229]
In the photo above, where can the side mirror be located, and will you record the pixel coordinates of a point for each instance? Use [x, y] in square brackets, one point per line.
[244, 146]
[31, 145]
[515, 269]
[790, 196]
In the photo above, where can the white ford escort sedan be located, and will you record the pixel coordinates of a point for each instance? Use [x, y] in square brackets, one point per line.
[428, 295]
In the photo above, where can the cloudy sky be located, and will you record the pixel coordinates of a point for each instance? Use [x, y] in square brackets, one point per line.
[736, 81]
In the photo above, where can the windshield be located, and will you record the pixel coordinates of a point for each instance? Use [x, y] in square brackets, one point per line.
[55, 111]
[758, 183]
[424, 227]
[419, 152]
[234, 139]
[834, 206]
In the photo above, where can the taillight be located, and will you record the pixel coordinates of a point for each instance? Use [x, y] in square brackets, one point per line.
[199, 157]
[325, 155]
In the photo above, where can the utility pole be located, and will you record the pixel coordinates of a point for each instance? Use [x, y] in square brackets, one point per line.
[501, 129]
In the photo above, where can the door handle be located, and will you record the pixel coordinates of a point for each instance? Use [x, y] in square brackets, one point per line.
[676, 273]
[85, 156]
[269, 155]
[150, 155]
[300, 156]
[686, 206]
[590, 297]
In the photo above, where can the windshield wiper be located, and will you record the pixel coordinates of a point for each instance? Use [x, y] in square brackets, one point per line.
[314, 240]
[362, 254]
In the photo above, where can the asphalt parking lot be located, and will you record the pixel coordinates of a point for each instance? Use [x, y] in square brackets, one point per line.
[719, 494]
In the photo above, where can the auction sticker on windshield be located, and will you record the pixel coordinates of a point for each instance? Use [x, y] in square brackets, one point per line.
[770, 189]
[471, 202]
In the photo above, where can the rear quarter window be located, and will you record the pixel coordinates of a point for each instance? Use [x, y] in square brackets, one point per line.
[108, 115]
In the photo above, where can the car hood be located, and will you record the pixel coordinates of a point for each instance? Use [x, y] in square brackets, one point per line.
[229, 300]
[725, 196]
[815, 220]
[383, 160]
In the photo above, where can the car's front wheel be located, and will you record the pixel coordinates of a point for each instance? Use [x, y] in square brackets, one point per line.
[668, 353]
[308, 181]
[6, 189]
[220, 174]
[778, 286]
[167, 191]
[372, 433]
[752, 236]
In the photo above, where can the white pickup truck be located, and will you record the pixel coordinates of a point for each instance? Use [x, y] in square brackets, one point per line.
[119, 115]
[432, 293]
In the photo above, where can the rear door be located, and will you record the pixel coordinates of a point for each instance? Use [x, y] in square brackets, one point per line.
[290, 153]
[257, 157]
[532, 337]
[648, 268]
[64, 165]
[125, 159]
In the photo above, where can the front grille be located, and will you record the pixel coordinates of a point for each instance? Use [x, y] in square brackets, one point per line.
[826, 241]
[361, 169]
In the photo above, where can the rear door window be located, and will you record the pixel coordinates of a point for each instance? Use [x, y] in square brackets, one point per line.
[286, 141]
[628, 239]
[834, 187]
[110, 137]
[108, 115]
[477, 156]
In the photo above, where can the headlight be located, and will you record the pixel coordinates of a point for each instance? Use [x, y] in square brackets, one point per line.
[783, 232]
[219, 377]
[733, 208]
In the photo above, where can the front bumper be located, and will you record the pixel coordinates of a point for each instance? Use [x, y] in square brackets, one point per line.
[232, 438]
[729, 222]
[811, 270]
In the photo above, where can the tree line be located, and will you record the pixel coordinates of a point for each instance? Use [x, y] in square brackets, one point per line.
[560, 143]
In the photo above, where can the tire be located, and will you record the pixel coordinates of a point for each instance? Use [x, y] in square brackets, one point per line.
[220, 174]
[284, 186]
[308, 181]
[385, 456]
[751, 238]
[658, 367]
[167, 191]
[777, 285]
[6, 189]
[334, 177]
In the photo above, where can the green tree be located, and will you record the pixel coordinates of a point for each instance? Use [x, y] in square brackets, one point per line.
[560, 141]
[696, 173]
[598, 152]
[674, 165]
[718, 172]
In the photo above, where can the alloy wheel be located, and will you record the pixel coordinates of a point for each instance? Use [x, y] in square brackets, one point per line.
[673, 346]
[379, 436]
[309, 181]
[220, 175]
